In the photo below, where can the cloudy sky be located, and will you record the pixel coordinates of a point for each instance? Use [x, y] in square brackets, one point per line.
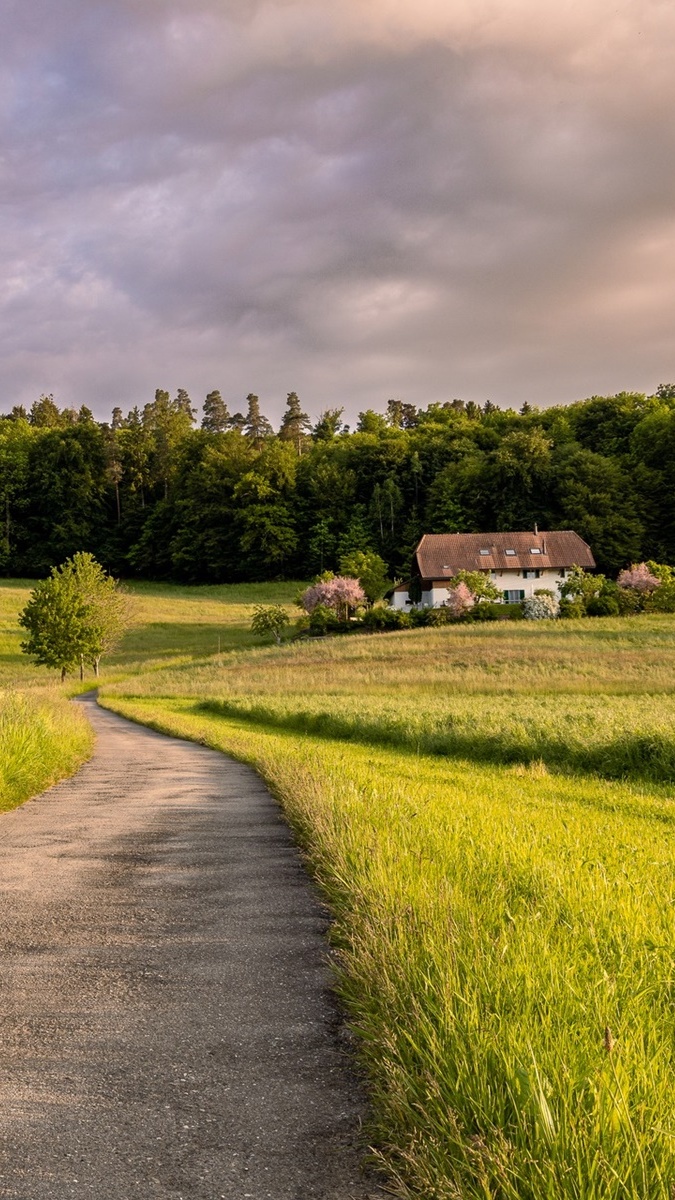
[353, 199]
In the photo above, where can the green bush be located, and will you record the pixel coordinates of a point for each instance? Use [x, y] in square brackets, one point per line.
[488, 611]
[662, 600]
[572, 609]
[439, 616]
[325, 620]
[629, 601]
[419, 617]
[604, 605]
[381, 620]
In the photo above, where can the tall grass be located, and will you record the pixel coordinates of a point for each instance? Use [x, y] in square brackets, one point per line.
[630, 738]
[506, 945]
[42, 739]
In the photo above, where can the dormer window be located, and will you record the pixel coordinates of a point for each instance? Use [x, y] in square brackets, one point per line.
[510, 553]
[535, 550]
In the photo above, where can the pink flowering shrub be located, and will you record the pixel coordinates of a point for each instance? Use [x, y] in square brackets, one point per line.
[460, 600]
[639, 579]
[341, 593]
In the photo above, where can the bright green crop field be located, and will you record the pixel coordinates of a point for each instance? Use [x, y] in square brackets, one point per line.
[489, 811]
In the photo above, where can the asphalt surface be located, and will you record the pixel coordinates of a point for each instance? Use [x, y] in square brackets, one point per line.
[166, 1023]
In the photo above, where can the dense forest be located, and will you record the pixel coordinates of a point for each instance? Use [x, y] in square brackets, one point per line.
[153, 495]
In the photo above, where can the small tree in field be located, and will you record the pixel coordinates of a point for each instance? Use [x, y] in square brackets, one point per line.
[270, 620]
[106, 605]
[76, 615]
[340, 593]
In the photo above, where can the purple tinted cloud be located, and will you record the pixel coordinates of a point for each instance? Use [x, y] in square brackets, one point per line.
[353, 201]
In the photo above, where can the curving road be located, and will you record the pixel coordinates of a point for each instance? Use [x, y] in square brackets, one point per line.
[166, 1026]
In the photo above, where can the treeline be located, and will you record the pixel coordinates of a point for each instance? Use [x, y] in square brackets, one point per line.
[151, 494]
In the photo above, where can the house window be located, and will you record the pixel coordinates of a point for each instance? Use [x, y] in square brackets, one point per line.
[531, 574]
[535, 550]
[511, 553]
[485, 553]
[513, 596]
[562, 572]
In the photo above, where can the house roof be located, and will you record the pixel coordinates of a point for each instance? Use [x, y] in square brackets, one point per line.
[441, 555]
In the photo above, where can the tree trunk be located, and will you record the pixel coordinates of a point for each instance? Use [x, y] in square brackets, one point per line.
[117, 497]
[81, 667]
[63, 674]
[96, 662]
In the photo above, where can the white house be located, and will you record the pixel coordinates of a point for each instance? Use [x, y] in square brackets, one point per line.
[517, 563]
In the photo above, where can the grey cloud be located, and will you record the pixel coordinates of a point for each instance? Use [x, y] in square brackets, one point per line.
[281, 195]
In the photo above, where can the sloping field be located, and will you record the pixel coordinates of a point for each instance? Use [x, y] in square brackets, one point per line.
[42, 737]
[490, 812]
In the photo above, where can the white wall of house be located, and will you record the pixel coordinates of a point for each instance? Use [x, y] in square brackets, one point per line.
[515, 581]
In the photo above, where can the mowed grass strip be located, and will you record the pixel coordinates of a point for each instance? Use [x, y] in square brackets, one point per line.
[42, 739]
[506, 945]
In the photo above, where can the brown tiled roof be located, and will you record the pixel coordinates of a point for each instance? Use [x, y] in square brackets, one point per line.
[441, 555]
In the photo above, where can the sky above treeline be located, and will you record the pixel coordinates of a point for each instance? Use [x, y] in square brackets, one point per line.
[351, 199]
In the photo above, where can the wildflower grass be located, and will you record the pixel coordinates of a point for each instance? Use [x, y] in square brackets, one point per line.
[490, 814]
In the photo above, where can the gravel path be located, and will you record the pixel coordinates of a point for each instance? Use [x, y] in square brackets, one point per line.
[166, 1027]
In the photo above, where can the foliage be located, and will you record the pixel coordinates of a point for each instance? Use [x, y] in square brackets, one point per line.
[479, 583]
[324, 619]
[77, 613]
[270, 620]
[639, 578]
[370, 570]
[488, 610]
[578, 589]
[339, 593]
[460, 599]
[606, 605]
[541, 607]
[149, 494]
[662, 599]
[385, 619]
[661, 571]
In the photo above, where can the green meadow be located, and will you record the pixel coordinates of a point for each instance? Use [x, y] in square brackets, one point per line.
[489, 812]
[42, 737]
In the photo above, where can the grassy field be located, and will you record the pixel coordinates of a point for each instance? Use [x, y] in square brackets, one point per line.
[504, 912]
[169, 625]
[490, 813]
[42, 737]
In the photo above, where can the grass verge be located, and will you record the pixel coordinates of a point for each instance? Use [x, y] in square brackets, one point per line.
[506, 945]
[42, 739]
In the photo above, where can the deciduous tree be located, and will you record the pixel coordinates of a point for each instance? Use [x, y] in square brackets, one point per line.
[75, 615]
